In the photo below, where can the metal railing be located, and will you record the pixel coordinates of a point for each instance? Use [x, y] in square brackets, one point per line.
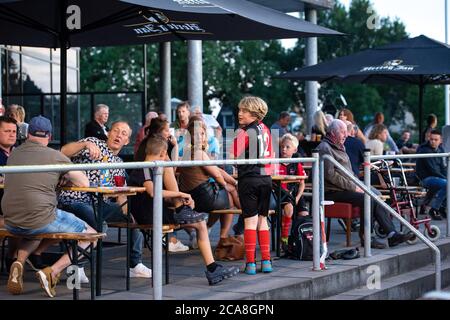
[370, 194]
[318, 201]
[157, 203]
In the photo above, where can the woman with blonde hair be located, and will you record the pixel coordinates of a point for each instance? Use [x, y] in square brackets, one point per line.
[17, 112]
[347, 115]
[377, 137]
[319, 128]
[210, 187]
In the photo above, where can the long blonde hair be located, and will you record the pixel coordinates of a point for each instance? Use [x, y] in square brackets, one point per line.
[320, 121]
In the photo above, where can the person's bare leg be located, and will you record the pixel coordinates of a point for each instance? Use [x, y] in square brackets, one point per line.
[226, 220]
[203, 241]
[262, 223]
[64, 261]
[46, 243]
[25, 248]
[288, 210]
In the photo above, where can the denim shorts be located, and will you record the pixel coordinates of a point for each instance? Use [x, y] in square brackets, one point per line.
[64, 222]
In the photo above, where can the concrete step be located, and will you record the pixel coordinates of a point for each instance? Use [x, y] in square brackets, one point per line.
[346, 275]
[407, 286]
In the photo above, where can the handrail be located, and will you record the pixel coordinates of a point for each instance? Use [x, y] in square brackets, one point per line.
[158, 184]
[405, 223]
[421, 156]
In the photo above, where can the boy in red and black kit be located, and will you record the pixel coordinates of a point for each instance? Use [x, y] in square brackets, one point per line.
[292, 194]
[254, 141]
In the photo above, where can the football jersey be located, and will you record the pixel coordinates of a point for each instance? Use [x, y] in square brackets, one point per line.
[253, 142]
[290, 169]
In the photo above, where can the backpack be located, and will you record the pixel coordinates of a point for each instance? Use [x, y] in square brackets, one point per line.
[300, 241]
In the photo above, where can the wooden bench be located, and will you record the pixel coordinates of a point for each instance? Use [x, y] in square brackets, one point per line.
[146, 230]
[234, 211]
[70, 241]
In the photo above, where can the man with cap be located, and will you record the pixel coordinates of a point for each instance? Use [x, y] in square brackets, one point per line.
[29, 204]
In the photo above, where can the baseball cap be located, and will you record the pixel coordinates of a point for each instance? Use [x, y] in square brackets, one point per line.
[40, 127]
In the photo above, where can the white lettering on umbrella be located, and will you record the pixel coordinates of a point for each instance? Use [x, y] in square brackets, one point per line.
[73, 22]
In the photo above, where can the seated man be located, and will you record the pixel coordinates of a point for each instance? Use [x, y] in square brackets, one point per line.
[142, 209]
[405, 145]
[339, 188]
[433, 174]
[354, 148]
[93, 150]
[29, 204]
[8, 138]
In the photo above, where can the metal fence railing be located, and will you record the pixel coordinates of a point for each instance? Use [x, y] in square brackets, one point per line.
[367, 216]
[317, 209]
[157, 204]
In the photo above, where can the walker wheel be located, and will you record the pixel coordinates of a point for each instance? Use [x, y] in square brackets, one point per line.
[413, 240]
[379, 230]
[434, 234]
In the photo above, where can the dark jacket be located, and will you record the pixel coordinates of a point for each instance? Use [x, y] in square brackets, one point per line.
[334, 179]
[355, 151]
[94, 129]
[430, 167]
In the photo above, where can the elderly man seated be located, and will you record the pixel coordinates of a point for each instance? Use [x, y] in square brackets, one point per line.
[339, 188]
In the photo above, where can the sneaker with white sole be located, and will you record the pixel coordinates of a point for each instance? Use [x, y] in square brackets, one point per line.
[83, 279]
[140, 271]
[15, 280]
[47, 281]
[177, 247]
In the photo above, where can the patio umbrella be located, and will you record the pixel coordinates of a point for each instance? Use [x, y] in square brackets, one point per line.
[46, 23]
[420, 61]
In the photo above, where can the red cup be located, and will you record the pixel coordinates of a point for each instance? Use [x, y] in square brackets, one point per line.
[119, 181]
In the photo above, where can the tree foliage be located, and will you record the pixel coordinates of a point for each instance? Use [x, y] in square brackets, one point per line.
[236, 68]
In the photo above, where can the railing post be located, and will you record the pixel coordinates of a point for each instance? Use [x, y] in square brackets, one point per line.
[367, 207]
[157, 233]
[315, 211]
[448, 196]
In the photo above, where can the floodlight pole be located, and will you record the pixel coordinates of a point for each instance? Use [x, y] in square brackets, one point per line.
[311, 91]
[447, 98]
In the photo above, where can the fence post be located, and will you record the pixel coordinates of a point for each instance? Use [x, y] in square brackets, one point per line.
[157, 233]
[367, 207]
[315, 211]
[448, 197]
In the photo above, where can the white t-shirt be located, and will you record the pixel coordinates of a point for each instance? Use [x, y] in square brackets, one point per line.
[376, 147]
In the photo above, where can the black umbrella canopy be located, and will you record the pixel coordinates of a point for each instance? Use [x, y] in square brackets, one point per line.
[420, 61]
[53, 24]
[114, 22]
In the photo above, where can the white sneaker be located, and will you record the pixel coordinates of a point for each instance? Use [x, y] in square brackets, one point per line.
[140, 271]
[81, 274]
[177, 246]
[193, 240]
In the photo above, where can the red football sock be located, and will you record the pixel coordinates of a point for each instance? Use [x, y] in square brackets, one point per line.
[264, 244]
[285, 226]
[250, 244]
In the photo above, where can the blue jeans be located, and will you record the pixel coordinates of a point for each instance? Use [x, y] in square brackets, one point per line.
[64, 222]
[111, 213]
[439, 187]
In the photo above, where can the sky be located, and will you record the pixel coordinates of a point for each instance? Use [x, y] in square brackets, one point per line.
[419, 17]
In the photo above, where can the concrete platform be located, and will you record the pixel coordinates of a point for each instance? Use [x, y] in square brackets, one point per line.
[291, 279]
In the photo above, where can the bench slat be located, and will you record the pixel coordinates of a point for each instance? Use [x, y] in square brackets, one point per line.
[58, 236]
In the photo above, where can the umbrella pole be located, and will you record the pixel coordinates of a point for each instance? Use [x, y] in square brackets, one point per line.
[63, 40]
[421, 90]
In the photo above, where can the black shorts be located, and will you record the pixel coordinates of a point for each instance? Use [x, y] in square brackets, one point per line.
[254, 195]
[209, 196]
[287, 197]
